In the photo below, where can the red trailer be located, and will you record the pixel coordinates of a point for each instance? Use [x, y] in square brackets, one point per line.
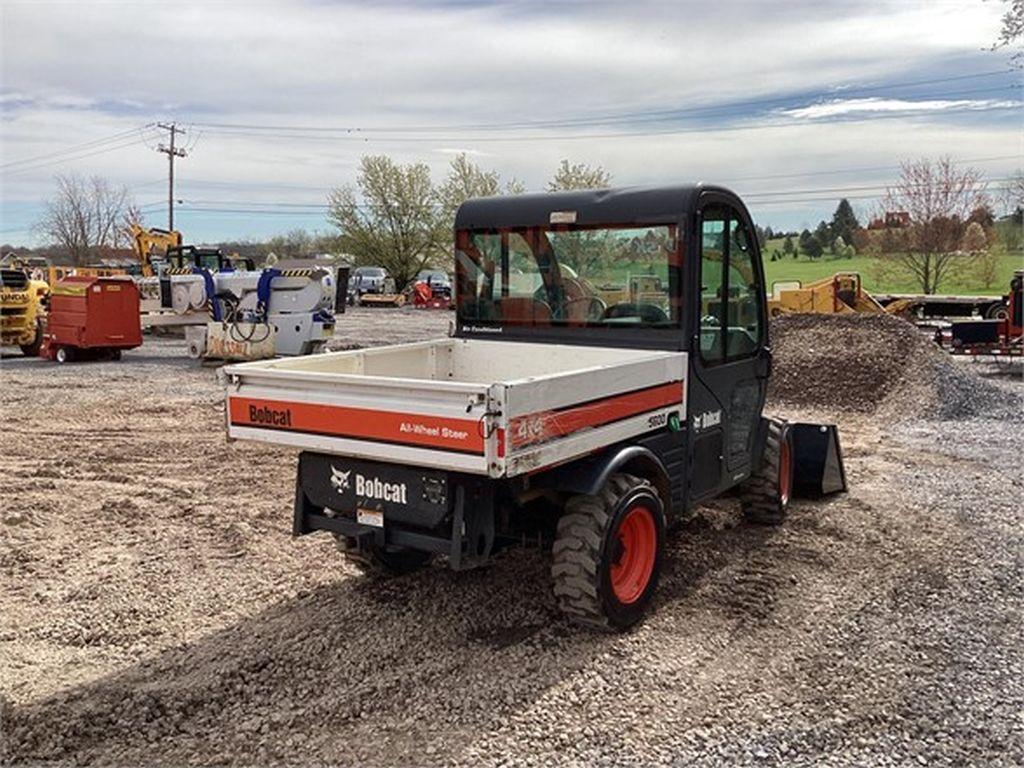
[91, 318]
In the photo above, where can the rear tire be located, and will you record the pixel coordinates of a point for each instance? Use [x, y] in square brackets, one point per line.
[765, 494]
[607, 553]
[997, 311]
[385, 561]
[62, 355]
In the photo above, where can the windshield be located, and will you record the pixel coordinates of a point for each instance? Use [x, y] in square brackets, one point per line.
[429, 274]
[369, 272]
[571, 276]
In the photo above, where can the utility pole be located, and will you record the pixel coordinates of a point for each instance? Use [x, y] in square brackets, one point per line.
[171, 152]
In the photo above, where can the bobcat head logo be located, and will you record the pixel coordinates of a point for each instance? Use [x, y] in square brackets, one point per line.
[339, 479]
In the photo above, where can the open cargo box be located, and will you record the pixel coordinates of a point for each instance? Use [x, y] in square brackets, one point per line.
[482, 407]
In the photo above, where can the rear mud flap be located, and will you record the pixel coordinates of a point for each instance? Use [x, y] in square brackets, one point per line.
[817, 460]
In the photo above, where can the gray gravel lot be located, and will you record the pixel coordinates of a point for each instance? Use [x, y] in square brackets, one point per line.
[154, 609]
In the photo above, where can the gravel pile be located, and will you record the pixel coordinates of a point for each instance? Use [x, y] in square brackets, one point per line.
[875, 364]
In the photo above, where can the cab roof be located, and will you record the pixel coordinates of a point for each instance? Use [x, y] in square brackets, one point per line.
[623, 205]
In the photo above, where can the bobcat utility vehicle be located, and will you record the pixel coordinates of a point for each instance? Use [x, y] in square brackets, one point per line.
[607, 375]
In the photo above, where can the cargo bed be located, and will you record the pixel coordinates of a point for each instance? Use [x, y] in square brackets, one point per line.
[493, 408]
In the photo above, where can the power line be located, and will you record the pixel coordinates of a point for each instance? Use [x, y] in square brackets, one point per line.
[837, 190]
[864, 169]
[600, 120]
[59, 161]
[744, 126]
[75, 148]
[236, 184]
[770, 193]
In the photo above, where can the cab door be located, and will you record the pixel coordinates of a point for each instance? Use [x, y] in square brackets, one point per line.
[730, 361]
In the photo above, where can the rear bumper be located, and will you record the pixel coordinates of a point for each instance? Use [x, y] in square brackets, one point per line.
[368, 535]
[428, 511]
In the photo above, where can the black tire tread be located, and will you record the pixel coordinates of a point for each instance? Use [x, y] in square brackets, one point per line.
[575, 567]
[760, 494]
[32, 349]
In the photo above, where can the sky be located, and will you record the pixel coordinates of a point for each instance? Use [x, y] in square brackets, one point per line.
[791, 104]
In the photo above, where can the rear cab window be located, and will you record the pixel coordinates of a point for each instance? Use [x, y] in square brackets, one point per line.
[622, 276]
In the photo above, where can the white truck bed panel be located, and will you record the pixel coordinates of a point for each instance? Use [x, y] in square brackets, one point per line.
[484, 407]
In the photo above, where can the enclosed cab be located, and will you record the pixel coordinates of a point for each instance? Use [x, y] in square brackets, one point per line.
[607, 375]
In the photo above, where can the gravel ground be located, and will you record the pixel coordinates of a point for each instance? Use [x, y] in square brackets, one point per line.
[154, 610]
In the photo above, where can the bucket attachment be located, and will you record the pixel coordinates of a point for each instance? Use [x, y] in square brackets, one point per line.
[817, 460]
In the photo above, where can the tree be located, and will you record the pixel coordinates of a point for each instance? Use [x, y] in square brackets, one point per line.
[804, 242]
[974, 239]
[579, 176]
[787, 246]
[1013, 193]
[844, 221]
[1012, 29]
[394, 222]
[983, 215]
[986, 264]
[823, 234]
[466, 180]
[294, 244]
[810, 245]
[87, 216]
[939, 198]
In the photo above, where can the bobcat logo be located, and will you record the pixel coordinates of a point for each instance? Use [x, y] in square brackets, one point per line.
[339, 479]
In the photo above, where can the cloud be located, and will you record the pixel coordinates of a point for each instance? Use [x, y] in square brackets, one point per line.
[110, 67]
[462, 151]
[840, 107]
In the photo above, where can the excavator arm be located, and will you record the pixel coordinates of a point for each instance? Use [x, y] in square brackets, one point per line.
[153, 242]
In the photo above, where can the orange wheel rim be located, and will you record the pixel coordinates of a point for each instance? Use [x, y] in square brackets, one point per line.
[785, 472]
[635, 548]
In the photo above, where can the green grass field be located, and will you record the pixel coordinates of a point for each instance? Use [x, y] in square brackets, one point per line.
[963, 281]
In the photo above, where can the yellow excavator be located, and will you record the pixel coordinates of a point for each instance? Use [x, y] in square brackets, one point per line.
[153, 242]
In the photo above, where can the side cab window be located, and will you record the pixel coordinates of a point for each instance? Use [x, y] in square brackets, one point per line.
[732, 294]
[746, 294]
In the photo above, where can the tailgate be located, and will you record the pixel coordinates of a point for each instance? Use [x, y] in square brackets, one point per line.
[425, 423]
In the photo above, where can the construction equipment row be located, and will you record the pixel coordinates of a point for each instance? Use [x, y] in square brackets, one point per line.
[229, 308]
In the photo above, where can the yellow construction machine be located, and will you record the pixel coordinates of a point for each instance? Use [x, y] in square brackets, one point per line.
[842, 293]
[153, 242]
[23, 296]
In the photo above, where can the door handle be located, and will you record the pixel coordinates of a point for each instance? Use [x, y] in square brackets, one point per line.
[764, 363]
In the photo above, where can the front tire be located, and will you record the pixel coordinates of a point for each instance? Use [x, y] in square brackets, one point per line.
[765, 494]
[32, 349]
[607, 553]
[62, 355]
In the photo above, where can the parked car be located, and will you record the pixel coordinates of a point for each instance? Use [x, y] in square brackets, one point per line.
[435, 278]
[366, 280]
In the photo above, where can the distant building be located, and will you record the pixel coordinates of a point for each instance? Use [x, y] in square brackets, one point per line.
[891, 220]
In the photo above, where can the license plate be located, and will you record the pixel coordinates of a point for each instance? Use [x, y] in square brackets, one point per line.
[372, 517]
